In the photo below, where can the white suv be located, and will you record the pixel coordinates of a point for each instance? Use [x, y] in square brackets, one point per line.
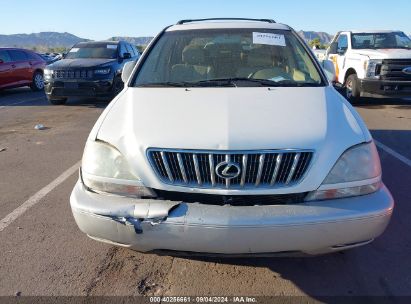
[229, 139]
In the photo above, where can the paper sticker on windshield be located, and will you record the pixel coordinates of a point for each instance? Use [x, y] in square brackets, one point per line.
[112, 46]
[74, 50]
[268, 38]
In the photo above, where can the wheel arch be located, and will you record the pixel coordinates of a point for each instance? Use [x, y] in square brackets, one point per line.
[38, 70]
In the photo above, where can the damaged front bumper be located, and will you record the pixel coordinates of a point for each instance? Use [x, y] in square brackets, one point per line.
[308, 228]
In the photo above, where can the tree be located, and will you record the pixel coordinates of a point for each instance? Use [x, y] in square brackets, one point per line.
[317, 43]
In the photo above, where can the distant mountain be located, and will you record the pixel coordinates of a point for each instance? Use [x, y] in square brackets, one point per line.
[43, 39]
[133, 40]
[325, 38]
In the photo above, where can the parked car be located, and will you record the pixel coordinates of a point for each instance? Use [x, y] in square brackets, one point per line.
[229, 139]
[372, 63]
[19, 68]
[89, 69]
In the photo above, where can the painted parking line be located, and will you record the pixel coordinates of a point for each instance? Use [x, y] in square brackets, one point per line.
[36, 198]
[393, 153]
[21, 101]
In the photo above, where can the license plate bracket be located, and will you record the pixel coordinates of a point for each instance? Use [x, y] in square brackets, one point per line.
[71, 85]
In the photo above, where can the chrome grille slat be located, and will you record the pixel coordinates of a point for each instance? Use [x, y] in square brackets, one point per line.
[212, 168]
[244, 168]
[278, 160]
[182, 169]
[293, 167]
[227, 181]
[197, 169]
[165, 162]
[262, 169]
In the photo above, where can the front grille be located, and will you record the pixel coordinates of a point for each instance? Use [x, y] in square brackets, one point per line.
[233, 200]
[73, 74]
[201, 169]
[73, 92]
[391, 69]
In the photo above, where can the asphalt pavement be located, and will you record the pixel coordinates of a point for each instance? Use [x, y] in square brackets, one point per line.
[43, 252]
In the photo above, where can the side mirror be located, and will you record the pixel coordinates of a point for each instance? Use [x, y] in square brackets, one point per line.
[341, 51]
[126, 56]
[329, 69]
[1, 61]
[127, 70]
[333, 48]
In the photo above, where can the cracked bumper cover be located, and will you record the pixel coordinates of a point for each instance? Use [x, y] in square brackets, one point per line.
[310, 228]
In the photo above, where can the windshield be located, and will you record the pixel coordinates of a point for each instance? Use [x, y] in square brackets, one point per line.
[232, 57]
[93, 50]
[393, 40]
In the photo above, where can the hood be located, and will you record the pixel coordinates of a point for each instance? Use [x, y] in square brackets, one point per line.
[385, 53]
[315, 118]
[80, 63]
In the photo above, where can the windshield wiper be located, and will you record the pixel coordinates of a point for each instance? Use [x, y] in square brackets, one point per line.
[230, 82]
[165, 84]
[261, 82]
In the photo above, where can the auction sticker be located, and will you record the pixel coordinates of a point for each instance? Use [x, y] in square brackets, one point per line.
[112, 46]
[74, 50]
[268, 38]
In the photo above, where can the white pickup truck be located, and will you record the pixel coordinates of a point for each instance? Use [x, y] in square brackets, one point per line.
[372, 63]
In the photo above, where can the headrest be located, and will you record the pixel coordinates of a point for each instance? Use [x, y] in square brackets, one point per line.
[260, 57]
[193, 55]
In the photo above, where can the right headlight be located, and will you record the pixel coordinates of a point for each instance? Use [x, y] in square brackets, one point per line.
[105, 169]
[357, 172]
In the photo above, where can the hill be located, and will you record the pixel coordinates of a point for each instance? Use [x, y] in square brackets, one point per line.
[40, 40]
[325, 38]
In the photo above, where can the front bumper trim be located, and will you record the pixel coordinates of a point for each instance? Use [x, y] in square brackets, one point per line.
[309, 228]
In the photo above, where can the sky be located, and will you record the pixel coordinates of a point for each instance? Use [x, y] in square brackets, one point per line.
[101, 19]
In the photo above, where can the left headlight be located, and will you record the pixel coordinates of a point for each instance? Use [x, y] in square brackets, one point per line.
[373, 68]
[48, 73]
[104, 169]
[102, 71]
[357, 172]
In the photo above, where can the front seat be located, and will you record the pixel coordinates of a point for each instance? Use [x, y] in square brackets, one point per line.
[194, 66]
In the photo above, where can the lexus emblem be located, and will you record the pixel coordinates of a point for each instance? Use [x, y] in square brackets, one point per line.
[407, 71]
[228, 170]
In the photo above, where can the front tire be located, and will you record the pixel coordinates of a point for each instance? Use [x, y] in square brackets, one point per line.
[38, 82]
[352, 88]
[118, 86]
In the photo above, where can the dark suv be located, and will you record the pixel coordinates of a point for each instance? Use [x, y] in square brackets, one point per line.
[90, 69]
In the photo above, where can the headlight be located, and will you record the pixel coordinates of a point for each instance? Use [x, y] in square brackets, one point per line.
[105, 169]
[373, 68]
[357, 172]
[102, 71]
[48, 72]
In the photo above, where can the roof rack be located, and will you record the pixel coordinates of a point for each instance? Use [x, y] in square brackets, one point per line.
[222, 19]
